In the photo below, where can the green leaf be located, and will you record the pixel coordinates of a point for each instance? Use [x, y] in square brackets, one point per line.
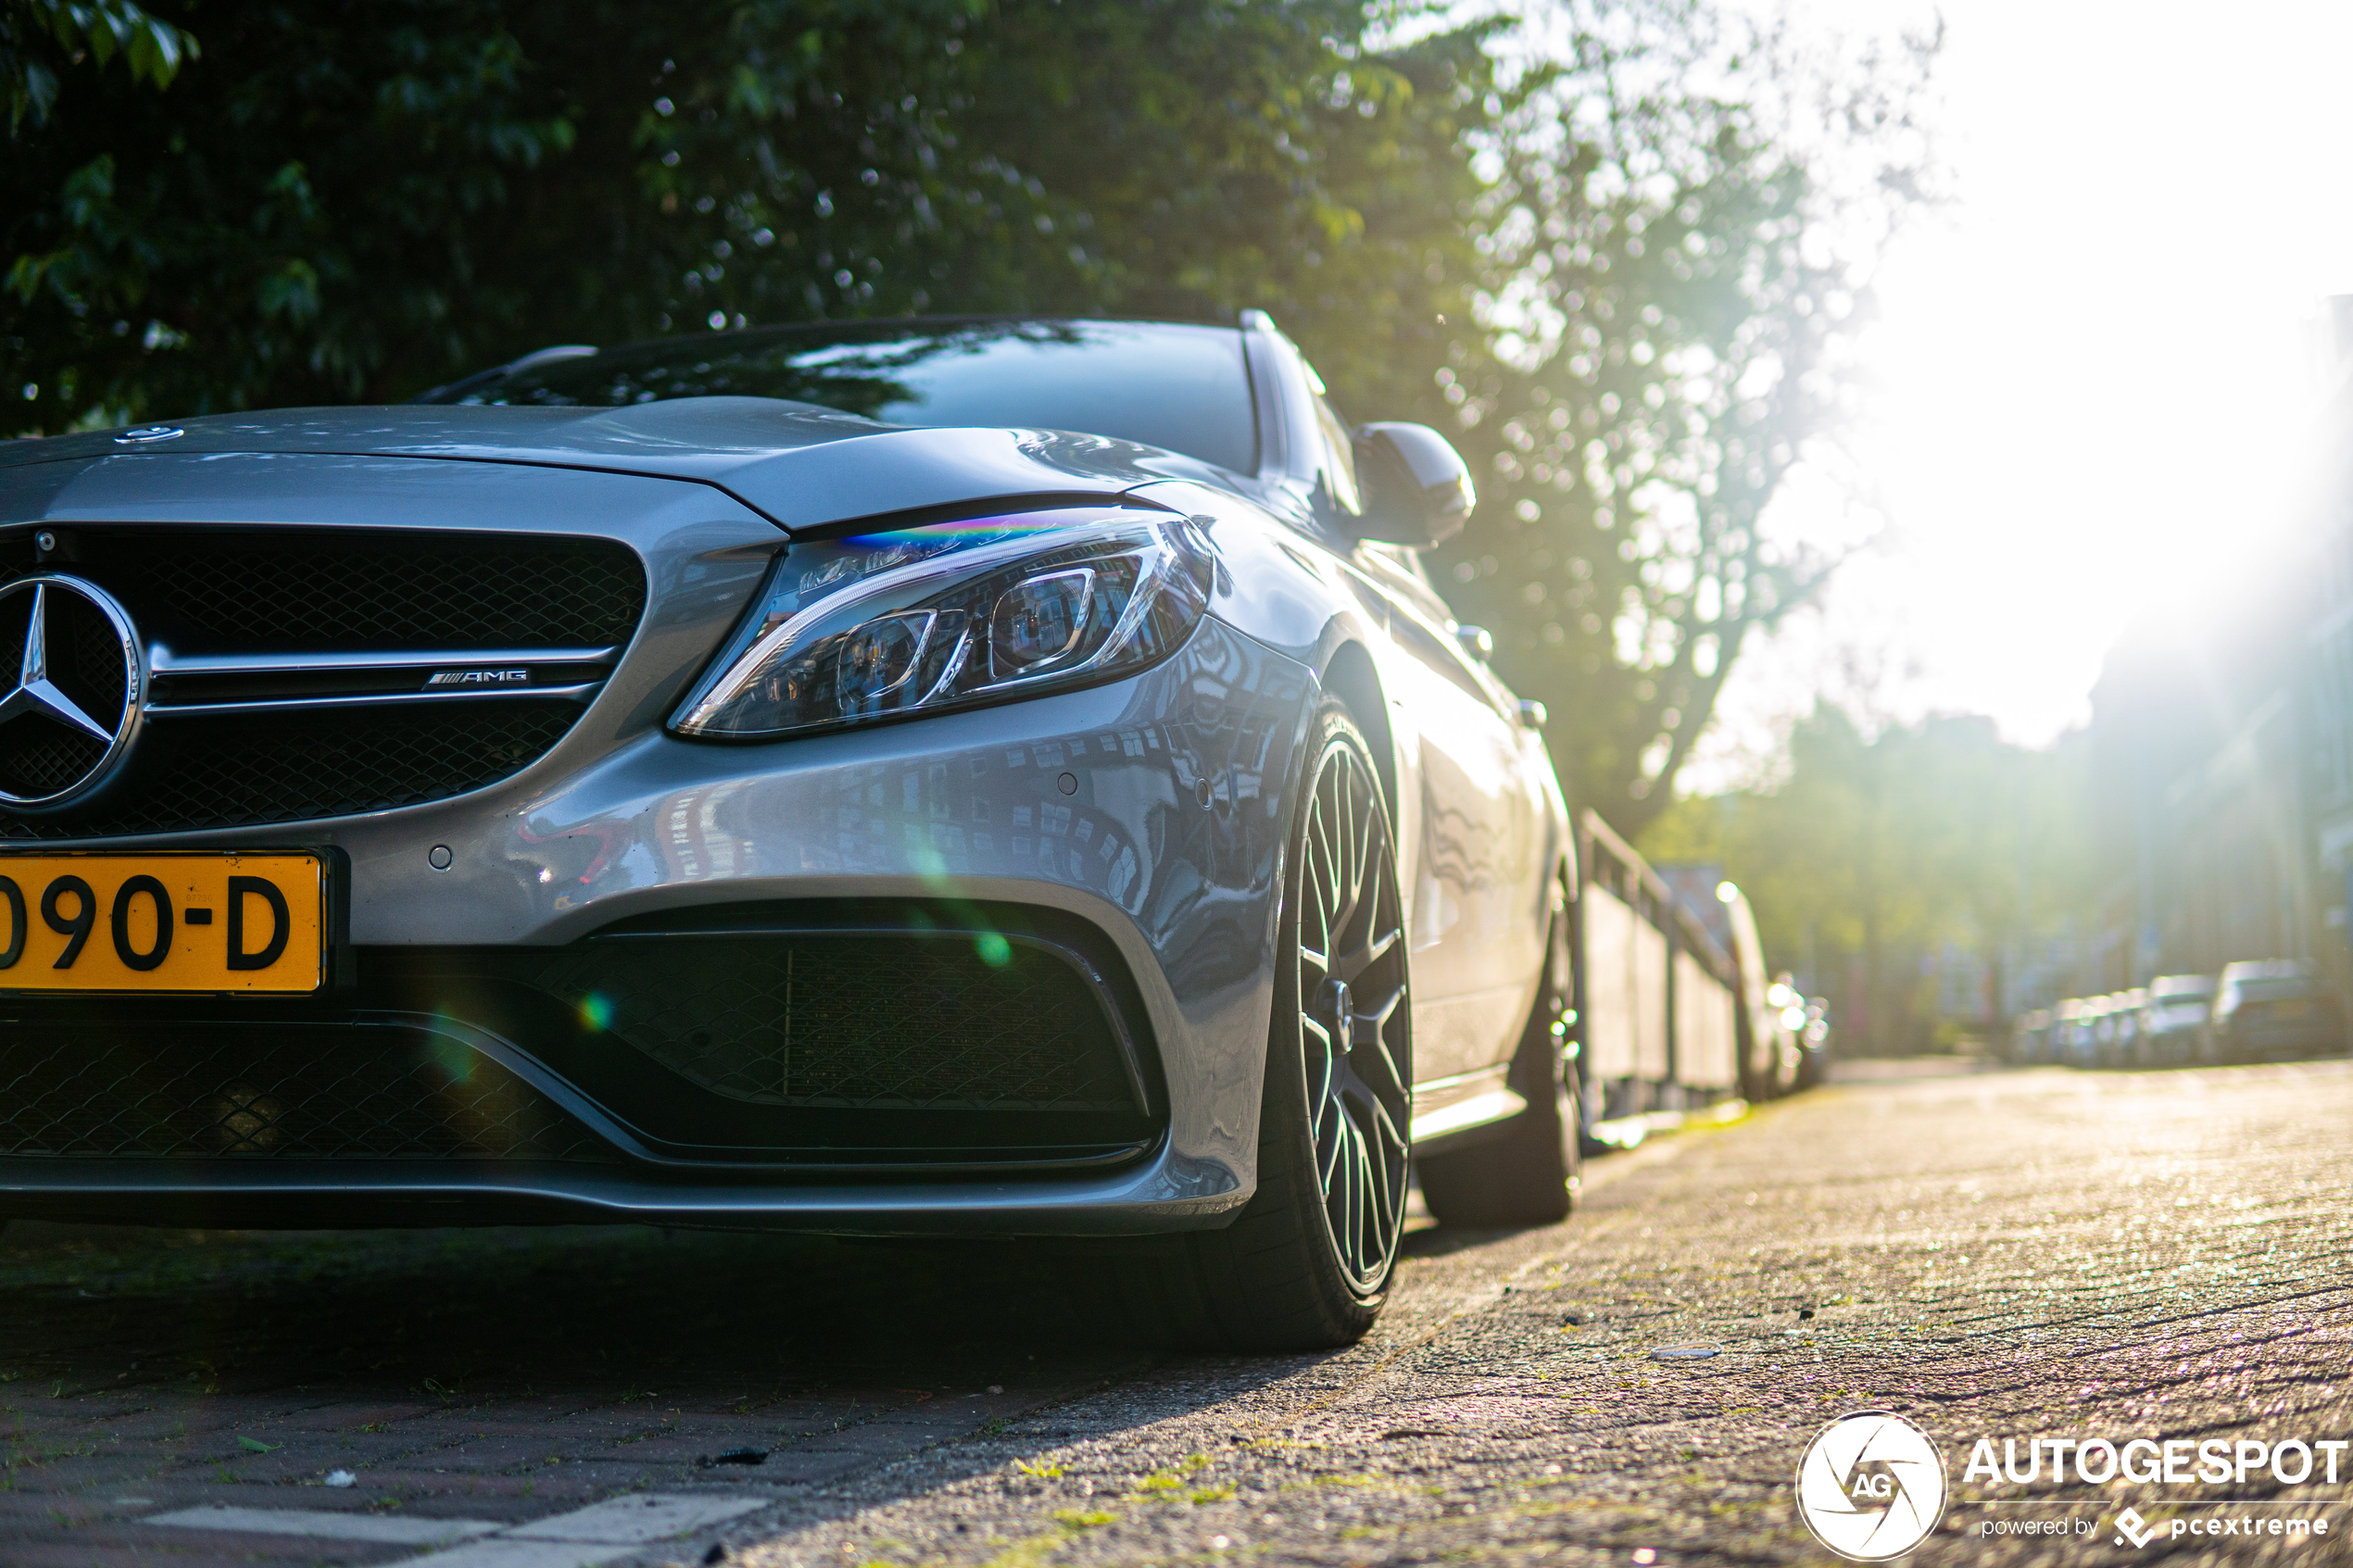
[256, 1445]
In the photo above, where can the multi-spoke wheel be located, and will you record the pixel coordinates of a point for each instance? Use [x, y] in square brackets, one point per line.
[1355, 1032]
[1306, 1264]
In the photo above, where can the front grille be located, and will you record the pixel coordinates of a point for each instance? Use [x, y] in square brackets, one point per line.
[313, 595]
[205, 590]
[239, 769]
[868, 1023]
[265, 1091]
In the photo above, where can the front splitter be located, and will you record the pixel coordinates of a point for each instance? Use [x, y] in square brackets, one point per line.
[319, 1193]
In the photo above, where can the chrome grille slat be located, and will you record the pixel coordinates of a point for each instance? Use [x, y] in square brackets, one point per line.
[161, 661]
[580, 693]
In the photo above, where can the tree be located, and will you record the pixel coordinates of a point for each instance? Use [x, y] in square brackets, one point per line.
[1676, 274]
[39, 37]
[356, 201]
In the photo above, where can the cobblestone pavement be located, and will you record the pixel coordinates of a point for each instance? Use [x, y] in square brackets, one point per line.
[2006, 1255]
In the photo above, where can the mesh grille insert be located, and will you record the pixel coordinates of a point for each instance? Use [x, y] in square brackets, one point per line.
[271, 1091]
[365, 590]
[233, 770]
[38, 758]
[868, 1023]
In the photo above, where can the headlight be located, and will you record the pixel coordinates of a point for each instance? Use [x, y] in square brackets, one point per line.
[957, 615]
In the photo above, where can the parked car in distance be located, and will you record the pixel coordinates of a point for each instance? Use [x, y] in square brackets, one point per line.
[2175, 1021]
[1814, 1042]
[2270, 1008]
[2067, 1019]
[2030, 1037]
[2119, 1029]
[2100, 1047]
[2079, 1042]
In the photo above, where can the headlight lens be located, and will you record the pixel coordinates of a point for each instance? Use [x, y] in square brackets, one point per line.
[926, 620]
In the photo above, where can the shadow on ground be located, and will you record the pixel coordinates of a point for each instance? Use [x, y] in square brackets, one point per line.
[600, 1314]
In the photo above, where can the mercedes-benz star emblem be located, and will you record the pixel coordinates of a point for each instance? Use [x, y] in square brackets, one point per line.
[69, 707]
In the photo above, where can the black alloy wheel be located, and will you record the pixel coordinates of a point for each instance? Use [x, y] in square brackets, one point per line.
[1306, 1264]
[1355, 1035]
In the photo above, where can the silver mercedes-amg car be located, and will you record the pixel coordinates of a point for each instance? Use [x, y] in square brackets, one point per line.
[921, 777]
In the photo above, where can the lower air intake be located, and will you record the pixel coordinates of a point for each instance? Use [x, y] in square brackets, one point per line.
[892, 1023]
[265, 1091]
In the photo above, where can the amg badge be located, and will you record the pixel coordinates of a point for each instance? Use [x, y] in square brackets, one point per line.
[480, 678]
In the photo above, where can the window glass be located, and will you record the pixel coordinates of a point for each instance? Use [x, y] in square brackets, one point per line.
[2273, 989]
[1339, 456]
[1339, 448]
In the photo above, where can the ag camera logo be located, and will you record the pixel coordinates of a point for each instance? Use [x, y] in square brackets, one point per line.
[1871, 1485]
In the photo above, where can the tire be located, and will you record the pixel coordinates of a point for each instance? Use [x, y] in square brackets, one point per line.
[1306, 1264]
[1527, 1174]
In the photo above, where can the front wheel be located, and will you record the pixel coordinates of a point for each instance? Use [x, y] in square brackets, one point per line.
[1306, 1265]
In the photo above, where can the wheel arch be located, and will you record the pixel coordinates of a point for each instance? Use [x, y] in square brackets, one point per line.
[1348, 675]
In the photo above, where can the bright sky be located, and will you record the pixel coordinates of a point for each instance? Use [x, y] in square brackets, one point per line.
[2093, 366]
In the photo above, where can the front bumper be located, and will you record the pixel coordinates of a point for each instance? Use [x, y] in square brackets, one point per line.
[1149, 813]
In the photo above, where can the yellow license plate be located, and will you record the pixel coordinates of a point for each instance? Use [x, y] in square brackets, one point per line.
[200, 922]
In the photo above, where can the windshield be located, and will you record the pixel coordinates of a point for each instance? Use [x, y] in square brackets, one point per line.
[1182, 388]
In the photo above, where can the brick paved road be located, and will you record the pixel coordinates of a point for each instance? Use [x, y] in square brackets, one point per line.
[2002, 1255]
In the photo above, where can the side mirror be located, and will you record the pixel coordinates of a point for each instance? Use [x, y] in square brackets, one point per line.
[1417, 489]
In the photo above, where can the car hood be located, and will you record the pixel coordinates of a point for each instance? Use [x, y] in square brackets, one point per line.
[800, 465]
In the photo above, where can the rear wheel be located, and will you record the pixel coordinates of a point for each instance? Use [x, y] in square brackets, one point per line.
[1306, 1265]
[1526, 1173]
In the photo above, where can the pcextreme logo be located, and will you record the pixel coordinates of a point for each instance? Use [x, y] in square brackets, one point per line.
[1871, 1485]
